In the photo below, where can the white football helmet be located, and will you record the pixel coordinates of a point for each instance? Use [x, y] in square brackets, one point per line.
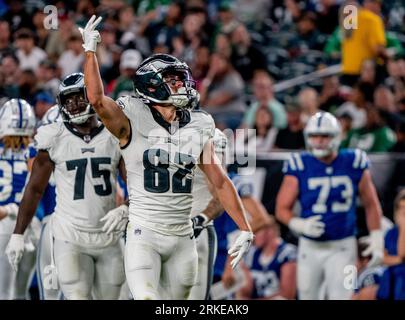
[52, 115]
[17, 118]
[325, 124]
[73, 85]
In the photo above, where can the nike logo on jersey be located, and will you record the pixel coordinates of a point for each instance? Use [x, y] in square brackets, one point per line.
[84, 150]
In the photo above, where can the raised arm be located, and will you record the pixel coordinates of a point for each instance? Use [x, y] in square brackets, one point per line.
[107, 109]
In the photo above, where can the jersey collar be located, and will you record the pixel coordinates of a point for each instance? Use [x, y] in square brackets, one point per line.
[85, 137]
[183, 117]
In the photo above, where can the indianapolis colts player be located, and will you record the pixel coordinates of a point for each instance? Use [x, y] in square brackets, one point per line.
[270, 266]
[17, 124]
[85, 228]
[326, 182]
[161, 142]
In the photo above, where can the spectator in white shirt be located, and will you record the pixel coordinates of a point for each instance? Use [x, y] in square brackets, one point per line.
[72, 60]
[28, 54]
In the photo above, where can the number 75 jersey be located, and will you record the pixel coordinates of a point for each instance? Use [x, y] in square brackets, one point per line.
[85, 172]
[329, 190]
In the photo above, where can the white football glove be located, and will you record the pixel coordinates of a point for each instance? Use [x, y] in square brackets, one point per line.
[311, 227]
[90, 35]
[15, 250]
[375, 248]
[116, 219]
[11, 210]
[240, 247]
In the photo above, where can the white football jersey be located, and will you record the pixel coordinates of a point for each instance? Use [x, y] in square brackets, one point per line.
[85, 173]
[160, 160]
[201, 194]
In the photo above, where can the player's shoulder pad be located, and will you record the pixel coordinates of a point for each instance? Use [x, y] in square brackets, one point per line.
[204, 122]
[202, 117]
[288, 252]
[196, 111]
[296, 161]
[358, 158]
[47, 135]
[130, 105]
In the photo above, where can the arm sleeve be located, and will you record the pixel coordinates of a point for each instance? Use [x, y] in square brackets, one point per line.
[131, 106]
[288, 254]
[360, 160]
[293, 165]
[46, 137]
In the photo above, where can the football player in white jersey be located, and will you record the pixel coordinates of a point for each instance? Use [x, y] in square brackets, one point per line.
[17, 124]
[204, 210]
[161, 142]
[84, 158]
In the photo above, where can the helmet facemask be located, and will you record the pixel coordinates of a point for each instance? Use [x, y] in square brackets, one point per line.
[181, 97]
[74, 106]
[322, 150]
[322, 125]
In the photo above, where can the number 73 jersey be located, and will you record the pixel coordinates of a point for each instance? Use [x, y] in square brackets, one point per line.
[85, 172]
[329, 190]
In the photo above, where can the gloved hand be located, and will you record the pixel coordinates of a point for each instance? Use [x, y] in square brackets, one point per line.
[116, 219]
[90, 35]
[311, 227]
[11, 210]
[199, 223]
[240, 247]
[15, 250]
[375, 242]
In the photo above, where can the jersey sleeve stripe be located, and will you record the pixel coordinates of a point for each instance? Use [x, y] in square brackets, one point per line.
[363, 160]
[357, 155]
[292, 164]
[299, 162]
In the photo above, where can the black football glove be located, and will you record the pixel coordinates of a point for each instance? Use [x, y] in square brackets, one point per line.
[199, 223]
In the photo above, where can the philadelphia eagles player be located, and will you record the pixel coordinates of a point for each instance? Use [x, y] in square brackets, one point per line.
[161, 142]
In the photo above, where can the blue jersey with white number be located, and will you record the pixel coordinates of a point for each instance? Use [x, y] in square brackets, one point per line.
[13, 173]
[224, 224]
[392, 283]
[329, 190]
[266, 272]
[371, 276]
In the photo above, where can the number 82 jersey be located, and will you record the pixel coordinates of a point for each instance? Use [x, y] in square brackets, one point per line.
[329, 190]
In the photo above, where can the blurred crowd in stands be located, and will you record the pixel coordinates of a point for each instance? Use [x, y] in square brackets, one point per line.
[238, 50]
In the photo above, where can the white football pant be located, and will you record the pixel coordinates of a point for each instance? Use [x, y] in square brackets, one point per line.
[324, 264]
[15, 285]
[159, 266]
[85, 273]
[207, 251]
